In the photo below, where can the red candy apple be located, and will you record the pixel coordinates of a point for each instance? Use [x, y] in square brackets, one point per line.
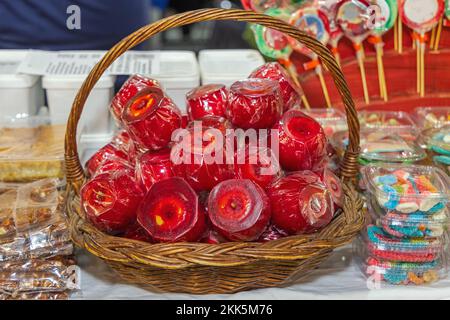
[300, 203]
[302, 142]
[152, 167]
[136, 232]
[110, 200]
[258, 165]
[130, 88]
[255, 103]
[200, 155]
[210, 99]
[212, 237]
[110, 151]
[150, 119]
[334, 185]
[184, 121]
[113, 164]
[170, 212]
[290, 92]
[272, 233]
[239, 210]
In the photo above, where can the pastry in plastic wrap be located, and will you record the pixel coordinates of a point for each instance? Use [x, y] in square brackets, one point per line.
[150, 118]
[194, 155]
[31, 153]
[255, 103]
[110, 200]
[303, 144]
[300, 202]
[39, 279]
[133, 86]
[26, 207]
[152, 167]
[239, 210]
[290, 92]
[210, 99]
[171, 212]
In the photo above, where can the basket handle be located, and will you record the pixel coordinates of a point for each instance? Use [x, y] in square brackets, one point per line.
[74, 170]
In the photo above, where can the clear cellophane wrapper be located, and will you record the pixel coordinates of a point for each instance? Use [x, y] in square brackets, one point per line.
[38, 279]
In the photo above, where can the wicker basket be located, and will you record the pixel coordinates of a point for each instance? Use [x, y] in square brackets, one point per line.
[229, 267]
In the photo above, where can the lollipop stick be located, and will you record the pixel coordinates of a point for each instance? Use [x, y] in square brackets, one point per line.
[362, 69]
[324, 86]
[400, 36]
[381, 79]
[433, 37]
[396, 36]
[418, 65]
[438, 34]
[293, 73]
[386, 97]
[422, 71]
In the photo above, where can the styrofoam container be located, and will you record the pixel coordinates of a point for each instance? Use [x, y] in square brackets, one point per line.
[19, 93]
[178, 74]
[61, 91]
[228, 66]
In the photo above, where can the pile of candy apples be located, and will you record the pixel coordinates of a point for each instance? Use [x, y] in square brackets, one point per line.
[136, 189]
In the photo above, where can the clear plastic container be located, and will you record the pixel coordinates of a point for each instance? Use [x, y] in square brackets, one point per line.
[401, 225]
[387, 145]
[330, 119]
[432, 117]
[30, 149]
[386, 119]
[408, 189]
[383, 246]
[438, 140]
[383, 271]
[30, 206]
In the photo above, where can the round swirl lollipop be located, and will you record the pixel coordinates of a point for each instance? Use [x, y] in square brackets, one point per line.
[421, 16]
[275, 45]
[263, 5]
[352, 16]
[385, 18]
[336, 33]
[314, 22]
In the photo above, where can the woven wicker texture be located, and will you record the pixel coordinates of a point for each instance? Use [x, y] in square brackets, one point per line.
[224, 268]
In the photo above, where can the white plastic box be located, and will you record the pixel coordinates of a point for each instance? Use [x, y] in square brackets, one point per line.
[178, 73]
[228, 66]
[19, 93]
[61, 91]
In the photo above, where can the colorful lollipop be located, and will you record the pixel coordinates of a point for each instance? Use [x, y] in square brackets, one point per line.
[352, 16]
[336, 33]
[421, 16]
[274, 44]
[385, 17]
[314, 22]
[263, 5]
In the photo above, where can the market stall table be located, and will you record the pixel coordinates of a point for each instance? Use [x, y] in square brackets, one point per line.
[337, 278]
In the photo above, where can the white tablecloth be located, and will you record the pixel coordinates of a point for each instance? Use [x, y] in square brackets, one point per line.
[338, 278]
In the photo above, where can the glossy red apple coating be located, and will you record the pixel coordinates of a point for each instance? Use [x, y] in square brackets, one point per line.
[113, 164]
[213, 237]
[272, 233]
[134, 85]
[259, 165]
[210, 121]
[239, 210]
[150, 118]
[184, 121]
[300, 203]
[303, 144]
[170, 212]
[290, 92]
[210, 99]
[255, 103]
[136, 232]
[193, 158]
[110, 200]
[152, 167]
[110, 151]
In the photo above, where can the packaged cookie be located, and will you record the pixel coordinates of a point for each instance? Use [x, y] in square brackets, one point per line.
[24, 207]
[31, 149]
[407, 189]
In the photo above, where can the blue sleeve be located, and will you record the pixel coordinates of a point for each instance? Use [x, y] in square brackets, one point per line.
[43, 24]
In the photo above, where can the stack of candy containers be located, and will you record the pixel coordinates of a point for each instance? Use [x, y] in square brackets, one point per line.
[406, 239]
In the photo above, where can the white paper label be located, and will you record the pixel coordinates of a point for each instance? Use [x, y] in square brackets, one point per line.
[73, 63]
